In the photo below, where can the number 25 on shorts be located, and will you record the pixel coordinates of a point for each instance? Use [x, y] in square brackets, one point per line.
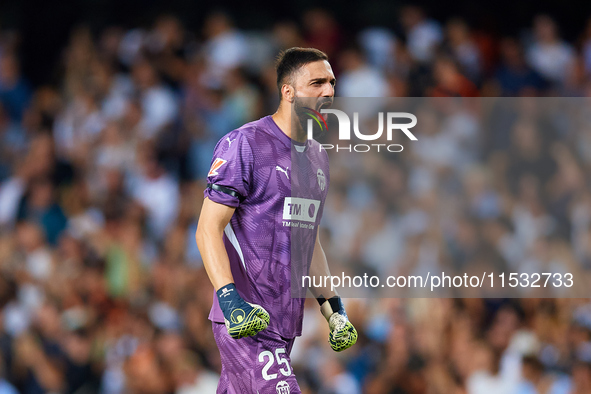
[285, 370]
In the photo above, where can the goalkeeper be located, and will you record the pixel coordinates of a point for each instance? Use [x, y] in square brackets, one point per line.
[245, 234]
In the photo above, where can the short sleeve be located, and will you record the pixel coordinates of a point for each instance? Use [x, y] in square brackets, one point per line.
[231, 169]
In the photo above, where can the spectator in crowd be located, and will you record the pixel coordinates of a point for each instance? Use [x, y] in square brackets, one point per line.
[514, 77]
[423, 35]
[449, 81]
[322, 31]
[157, 101]
[586, 41]
[463, 48]
[39, 205]
[5, 386]
[156, 192]
[381, 47]
[358, 78]
[225, 48]
[548, 54]
[15, 92]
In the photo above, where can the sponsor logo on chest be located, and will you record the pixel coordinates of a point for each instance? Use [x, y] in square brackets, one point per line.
[302, 209]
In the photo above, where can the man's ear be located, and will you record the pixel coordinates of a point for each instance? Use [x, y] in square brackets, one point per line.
[287, 92]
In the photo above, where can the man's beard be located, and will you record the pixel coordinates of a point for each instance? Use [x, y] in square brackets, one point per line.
[301, 109]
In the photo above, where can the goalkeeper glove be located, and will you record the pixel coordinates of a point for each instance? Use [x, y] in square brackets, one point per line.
[242, 318]
[342, 333]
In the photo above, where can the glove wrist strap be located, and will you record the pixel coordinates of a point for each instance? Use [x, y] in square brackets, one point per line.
[228, 299]
[227, 290]
[330, 306]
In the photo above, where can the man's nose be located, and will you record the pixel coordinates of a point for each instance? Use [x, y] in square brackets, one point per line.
[328, 90]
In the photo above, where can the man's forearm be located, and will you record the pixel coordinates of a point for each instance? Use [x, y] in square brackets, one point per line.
[249, 318]
[319, 269]
[210, 231]
[215, 258]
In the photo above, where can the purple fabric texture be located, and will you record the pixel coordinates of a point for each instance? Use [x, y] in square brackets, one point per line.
[259, 364]
[261, 163]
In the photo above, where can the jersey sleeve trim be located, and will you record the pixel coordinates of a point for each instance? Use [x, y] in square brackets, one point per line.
[226, 190]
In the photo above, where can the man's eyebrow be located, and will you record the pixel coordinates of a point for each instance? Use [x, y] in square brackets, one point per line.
[323, 80]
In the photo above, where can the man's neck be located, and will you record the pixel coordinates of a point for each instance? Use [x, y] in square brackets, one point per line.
[283, 120]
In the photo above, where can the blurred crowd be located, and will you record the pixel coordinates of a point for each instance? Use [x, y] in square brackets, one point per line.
[102, 287]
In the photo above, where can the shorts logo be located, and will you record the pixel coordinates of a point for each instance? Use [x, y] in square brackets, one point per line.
[282, 387]
[321, 179]
[237, 316]
[217, 163]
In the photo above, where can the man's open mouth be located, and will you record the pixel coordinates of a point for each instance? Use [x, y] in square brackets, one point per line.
[324, 104]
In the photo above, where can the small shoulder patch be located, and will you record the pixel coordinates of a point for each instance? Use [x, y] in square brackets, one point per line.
[217, 164]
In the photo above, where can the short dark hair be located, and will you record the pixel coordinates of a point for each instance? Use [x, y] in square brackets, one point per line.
[292, 59]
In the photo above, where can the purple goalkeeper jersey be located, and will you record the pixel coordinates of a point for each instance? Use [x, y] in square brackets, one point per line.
[259, 164]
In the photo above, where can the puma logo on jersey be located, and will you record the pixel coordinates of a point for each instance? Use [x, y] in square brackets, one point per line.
[283, 171]
[217, 163]
[230, 141]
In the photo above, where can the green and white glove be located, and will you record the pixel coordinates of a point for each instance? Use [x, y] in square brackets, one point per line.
[242, 318]
[342, 333]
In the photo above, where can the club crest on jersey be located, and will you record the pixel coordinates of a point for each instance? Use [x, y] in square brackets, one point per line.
[282, 387]
[217, 163]
[321, 179]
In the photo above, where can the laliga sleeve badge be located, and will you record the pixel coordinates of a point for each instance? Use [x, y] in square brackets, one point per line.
[217, 163]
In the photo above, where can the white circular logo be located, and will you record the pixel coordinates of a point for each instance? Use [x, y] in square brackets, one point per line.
[321, 179]
[282, 387]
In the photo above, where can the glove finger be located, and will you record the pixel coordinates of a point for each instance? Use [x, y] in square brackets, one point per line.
[263, 315]
[343, 334]
[343, 339]
[261, 324]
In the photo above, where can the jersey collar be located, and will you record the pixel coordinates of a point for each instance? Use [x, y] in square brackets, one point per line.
[299, 146]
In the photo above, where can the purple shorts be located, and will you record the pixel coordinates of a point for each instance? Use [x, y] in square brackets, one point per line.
[258, 364]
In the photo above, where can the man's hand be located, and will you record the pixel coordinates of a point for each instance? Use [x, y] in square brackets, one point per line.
[342, 333]
[242, 319]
